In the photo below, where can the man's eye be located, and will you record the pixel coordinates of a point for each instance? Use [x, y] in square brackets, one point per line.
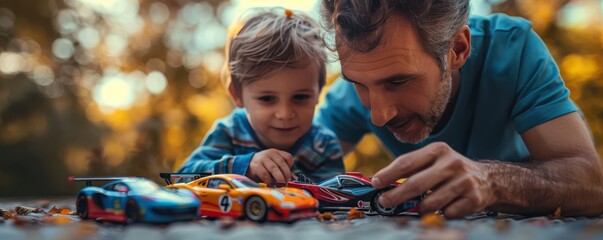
[397, 83]
[301, 97]
[267, 98]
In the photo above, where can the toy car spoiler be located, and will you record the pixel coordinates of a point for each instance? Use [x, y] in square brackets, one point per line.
[89, 180]
[169, 176]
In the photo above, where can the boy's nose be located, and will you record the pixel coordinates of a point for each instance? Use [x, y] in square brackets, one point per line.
[285, 112]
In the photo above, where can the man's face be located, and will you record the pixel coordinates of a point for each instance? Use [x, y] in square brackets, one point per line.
[399, 82]
[280, 107]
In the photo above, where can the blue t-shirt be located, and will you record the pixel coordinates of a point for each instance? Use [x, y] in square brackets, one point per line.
[509, 84]
[231, 143]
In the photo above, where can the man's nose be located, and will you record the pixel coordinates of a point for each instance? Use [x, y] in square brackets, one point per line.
[382, 110]
[285, 112]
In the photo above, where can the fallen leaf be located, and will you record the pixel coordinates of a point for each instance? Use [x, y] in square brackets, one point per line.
[7, 215]
[23, 211]
[355, 214]
[327, 216]
[433, 220]
[556, 214]
[59, 220]
[62, 211]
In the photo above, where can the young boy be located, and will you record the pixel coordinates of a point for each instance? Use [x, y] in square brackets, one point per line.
[276, 64]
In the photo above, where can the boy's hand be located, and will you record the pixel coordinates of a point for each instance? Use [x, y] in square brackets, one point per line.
[270, 164]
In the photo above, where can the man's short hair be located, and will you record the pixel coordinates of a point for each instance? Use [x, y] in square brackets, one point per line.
[359, 23]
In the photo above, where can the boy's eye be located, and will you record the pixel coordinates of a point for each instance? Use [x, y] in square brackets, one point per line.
[301, 97]
[267, 98]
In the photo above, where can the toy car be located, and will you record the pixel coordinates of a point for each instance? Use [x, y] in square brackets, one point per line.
[237, 196]
[131, 199]
[352, 190]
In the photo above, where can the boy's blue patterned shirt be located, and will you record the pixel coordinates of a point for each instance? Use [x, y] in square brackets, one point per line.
[231, 143]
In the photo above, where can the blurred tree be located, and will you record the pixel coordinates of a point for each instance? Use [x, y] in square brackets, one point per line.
[59, 118]
[37, 123]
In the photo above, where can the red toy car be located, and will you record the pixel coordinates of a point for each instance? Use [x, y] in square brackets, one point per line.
[352, 190]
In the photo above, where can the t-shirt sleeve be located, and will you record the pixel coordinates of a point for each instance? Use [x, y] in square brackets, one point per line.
[327, 146]
[343, 113]
[541, 93]
[216, 155]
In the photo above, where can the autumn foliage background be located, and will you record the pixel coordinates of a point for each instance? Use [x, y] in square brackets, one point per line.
[130, 87]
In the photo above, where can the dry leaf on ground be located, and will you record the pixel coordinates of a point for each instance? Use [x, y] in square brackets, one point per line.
[327, 216]
[433, 220]
[556, 214]
[62, 211]
[355, 214]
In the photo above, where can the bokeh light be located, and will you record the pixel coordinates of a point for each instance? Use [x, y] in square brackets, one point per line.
[156, 82]
[63, 48]
[10, 63]
[115, 91]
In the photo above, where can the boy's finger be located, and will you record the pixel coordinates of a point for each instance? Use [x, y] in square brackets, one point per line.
[287, 157]
[263, 175]
[274, 169]
[284, 167]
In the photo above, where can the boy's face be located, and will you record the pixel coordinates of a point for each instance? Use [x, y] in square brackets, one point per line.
[280, 107]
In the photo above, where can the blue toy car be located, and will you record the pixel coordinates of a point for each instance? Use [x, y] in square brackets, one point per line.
[132, 199]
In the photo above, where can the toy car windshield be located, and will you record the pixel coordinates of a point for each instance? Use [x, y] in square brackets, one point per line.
[244, 183]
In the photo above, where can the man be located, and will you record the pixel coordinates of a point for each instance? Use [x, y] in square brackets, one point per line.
[474, 109]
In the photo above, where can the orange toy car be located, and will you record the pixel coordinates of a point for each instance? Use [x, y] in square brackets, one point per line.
[237, 196]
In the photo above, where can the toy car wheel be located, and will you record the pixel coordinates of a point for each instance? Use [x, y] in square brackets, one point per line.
[82, 207]
[132, 212]
[256, 209]
[376, 206]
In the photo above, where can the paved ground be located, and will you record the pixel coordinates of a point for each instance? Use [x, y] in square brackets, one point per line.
[58, 226]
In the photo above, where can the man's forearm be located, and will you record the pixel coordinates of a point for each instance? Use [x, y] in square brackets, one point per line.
[537, 188]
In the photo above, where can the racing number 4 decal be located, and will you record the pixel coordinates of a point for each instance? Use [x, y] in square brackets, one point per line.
[225, 203]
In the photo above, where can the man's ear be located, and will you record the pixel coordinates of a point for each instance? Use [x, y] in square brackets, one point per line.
[461, 48]
[235, 97]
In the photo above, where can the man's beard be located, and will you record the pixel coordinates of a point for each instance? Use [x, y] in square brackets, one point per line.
[437, 106]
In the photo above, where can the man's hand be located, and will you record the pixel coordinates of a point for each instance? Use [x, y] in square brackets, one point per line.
[270, 164]
[459, 185]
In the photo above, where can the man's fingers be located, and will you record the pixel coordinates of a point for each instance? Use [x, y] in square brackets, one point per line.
[274, 170]
[412, 187]
[443, 196]
[416, 185]
[459, 208]
[408, 163]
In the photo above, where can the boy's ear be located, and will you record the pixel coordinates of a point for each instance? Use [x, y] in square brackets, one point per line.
[461, 47]
[235, 97]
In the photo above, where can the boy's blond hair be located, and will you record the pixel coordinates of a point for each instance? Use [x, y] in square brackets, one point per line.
[270, 41]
